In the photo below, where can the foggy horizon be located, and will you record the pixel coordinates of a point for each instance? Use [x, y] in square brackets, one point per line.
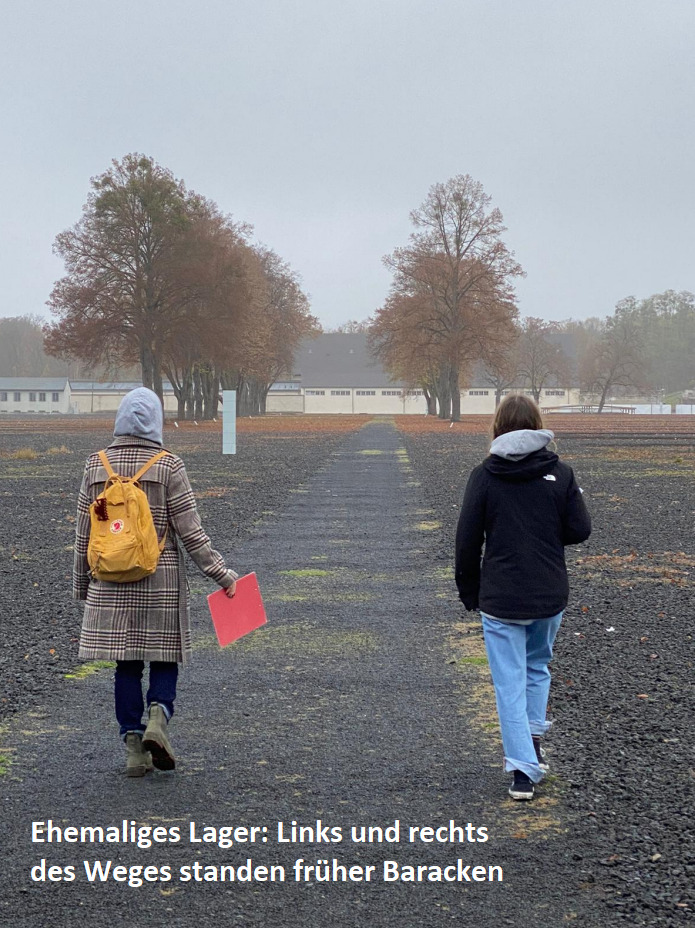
[323, 127]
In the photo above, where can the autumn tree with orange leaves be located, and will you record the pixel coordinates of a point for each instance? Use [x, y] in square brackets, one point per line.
[451, 301]
[158, 275]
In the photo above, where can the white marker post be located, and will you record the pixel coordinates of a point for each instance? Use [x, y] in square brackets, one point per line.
[229, 422]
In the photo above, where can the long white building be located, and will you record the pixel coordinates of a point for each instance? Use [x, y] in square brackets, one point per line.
[35, 394]
[334, 373]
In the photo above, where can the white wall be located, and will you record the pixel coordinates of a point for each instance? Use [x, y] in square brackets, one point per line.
[109, 401]
[390, 401]
[284, 402]
[480, 401]
[26, 405]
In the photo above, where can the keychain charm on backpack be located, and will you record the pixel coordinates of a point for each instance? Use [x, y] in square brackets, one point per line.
[123, 544]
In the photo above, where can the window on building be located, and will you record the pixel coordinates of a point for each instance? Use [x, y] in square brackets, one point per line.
[365, 392]
[55, 397]
[32, 397]
[340, 393]
[414, 392]
[528, 392]
[17, 397]
[315, 392]
[554, 392]
[478, 392]
[390, 392]
[42, 397]
[3, 397]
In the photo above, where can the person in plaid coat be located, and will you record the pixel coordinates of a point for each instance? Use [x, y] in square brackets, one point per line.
[146, 620]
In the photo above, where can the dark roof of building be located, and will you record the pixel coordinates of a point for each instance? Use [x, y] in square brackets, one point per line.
[338, 360]
[33, 383]
[114, 386]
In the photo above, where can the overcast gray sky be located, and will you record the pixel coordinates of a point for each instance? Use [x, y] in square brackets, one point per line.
[324, 122]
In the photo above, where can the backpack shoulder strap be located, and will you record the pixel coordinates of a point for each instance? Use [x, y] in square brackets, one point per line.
[107, 466]
[146, 467]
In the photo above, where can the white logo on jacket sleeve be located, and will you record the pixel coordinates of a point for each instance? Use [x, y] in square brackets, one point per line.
[548, 477]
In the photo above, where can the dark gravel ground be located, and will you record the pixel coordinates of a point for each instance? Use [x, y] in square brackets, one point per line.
[40, 621]
[623, 690]
[346, 708]
[366, 698]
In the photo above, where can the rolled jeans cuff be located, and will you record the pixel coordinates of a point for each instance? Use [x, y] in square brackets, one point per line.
[539, 728]
[532, 771]
[165, 709]
[133, 731]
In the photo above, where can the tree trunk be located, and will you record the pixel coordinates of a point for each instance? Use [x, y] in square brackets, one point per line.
[214, 408]
[444, 393]
[197, 394]
[181, 385]
[455, 392]
[157, 385]
[243, 398]
[602, 400]
[431, 402]
[146, 363]
[209, 386]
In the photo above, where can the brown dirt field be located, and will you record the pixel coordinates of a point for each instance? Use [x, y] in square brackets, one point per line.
[245, 426]
[578, 424]
[588, 424]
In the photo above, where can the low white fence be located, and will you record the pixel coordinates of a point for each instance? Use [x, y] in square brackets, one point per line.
[653, 409]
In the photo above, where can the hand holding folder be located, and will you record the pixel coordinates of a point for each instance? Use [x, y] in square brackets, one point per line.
[237, 615]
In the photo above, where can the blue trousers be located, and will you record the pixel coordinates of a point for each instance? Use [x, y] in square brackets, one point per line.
[128, 691]
[519, 656]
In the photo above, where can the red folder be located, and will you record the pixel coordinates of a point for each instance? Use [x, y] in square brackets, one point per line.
[239, 615]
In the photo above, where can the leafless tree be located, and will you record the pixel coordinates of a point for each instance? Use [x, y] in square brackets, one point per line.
[540, 360]
[617, 357]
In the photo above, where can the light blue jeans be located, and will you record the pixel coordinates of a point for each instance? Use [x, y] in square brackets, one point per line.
[519, 657]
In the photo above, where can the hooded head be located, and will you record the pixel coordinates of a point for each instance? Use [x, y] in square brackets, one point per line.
[140, 414]
[519, 452]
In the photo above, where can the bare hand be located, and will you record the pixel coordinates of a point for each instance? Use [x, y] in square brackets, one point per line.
[231, 590]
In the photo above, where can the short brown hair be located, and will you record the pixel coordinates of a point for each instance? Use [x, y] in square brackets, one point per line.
[516, 411]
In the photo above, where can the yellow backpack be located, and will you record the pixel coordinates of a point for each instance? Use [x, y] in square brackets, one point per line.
[123, 544]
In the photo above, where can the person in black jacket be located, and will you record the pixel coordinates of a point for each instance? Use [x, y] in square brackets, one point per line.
[522, 505]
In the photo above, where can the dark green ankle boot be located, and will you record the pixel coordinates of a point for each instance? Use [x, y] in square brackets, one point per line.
[138, 762]
[155, 739]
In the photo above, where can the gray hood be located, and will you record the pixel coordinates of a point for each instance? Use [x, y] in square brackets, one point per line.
[140, 414]
[517, 445]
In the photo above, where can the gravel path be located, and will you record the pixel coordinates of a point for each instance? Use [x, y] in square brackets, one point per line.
[40, 621]
[361, 703]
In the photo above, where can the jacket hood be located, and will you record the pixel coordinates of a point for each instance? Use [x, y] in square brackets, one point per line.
[140, 414]
[521, 455]
[516, 445]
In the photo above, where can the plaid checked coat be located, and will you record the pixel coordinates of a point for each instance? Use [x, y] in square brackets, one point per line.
[149, 619]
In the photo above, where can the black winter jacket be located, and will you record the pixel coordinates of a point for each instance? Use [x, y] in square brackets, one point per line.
[525, 512]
